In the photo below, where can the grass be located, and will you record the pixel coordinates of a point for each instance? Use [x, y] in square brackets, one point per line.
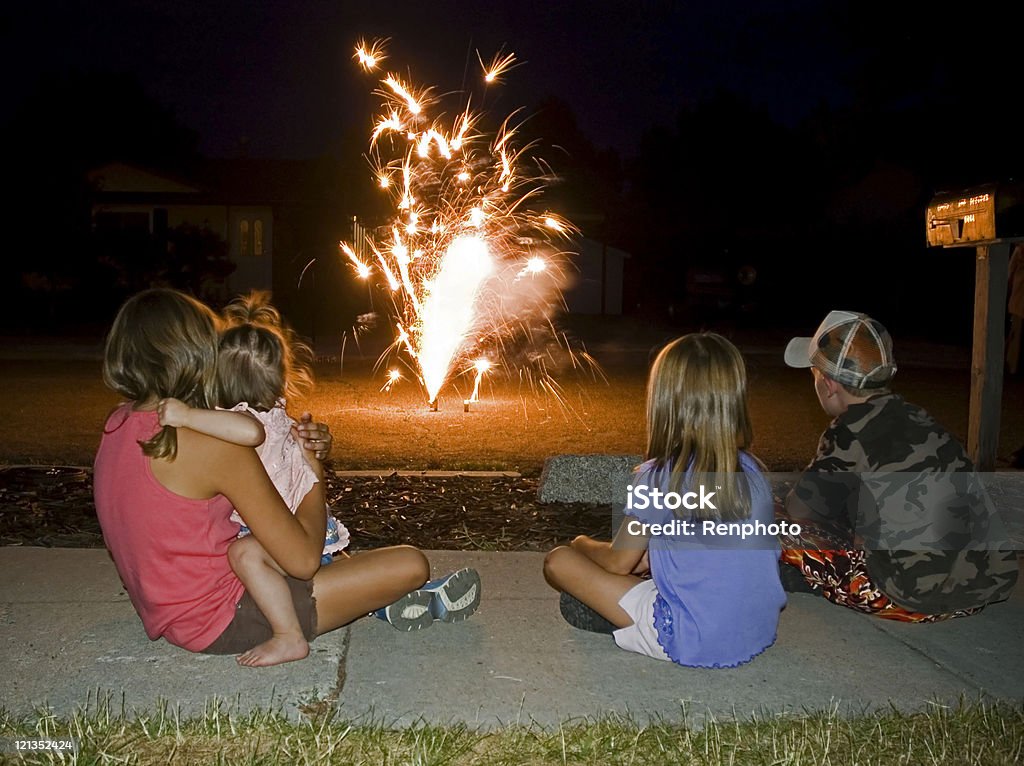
[966, 734]
[52, 412]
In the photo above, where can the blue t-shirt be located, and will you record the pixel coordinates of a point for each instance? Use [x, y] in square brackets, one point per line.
[719, 595]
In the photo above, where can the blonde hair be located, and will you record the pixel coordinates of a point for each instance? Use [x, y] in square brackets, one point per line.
[163, 343]
[260, 359]
[697, 419]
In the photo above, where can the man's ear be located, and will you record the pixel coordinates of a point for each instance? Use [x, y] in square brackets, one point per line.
[830, 385]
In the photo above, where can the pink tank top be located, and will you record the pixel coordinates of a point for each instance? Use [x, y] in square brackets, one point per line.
[171, 551]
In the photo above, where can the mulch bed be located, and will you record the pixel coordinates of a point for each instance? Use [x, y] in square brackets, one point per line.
[53, 507]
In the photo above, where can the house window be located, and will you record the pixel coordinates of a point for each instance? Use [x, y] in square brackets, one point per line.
[257, 237]
[243, 237]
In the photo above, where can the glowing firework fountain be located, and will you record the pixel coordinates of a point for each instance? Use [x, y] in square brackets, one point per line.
[464, 260]
[481, 366]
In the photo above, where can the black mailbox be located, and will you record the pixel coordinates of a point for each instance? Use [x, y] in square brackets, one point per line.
[987, 213]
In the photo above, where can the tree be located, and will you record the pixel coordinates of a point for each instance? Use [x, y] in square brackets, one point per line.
[189, 258]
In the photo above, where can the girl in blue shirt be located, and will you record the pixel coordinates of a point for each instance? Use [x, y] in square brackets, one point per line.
[692, 575]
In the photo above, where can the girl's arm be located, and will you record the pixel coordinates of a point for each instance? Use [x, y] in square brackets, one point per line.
[621, 556]
[236, 427]
[207, 466]
[312, 510]
[294, 545]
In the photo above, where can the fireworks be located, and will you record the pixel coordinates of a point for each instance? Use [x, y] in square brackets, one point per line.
[534, 265]
[464, 259]
[499, 66]
[393, 377]
[481, 366]
[370, 55]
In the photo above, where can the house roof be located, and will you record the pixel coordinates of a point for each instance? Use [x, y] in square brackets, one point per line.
[122, 178]
[235, 181]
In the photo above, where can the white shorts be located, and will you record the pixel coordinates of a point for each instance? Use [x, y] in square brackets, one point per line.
[640, 637]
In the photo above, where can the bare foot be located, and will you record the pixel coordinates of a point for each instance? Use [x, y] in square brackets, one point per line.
[286, 647]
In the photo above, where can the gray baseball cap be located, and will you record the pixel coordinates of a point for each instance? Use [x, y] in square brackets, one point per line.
[851, 348]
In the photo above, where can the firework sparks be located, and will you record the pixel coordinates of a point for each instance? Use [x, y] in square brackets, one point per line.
[361, 268]
[393, 377]
[481, 366]
[499, 65]
[535, 265]
[556, 224]
[400, 89]
[369, 56]
[453, 254]
[392, 122]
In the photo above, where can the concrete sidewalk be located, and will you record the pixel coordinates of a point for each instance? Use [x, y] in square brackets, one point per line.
[70, 635]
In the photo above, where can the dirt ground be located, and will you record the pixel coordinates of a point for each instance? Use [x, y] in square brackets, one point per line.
[52, 412]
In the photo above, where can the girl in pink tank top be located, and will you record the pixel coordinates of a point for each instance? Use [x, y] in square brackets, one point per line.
[148, 529]
[167, 346]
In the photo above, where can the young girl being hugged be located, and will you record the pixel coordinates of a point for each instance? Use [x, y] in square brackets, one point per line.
[259, 364]
[713, 598]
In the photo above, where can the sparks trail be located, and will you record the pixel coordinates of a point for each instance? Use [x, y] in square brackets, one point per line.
[481, 366]
[467, 260]
[393, 377]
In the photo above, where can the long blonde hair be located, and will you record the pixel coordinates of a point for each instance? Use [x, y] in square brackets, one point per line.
[163, 343]
[260, 359]
[697, 419]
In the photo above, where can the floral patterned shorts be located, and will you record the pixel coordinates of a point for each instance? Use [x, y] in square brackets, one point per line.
[840, 573]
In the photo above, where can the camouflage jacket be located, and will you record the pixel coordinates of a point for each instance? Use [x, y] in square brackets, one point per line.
[893, 482]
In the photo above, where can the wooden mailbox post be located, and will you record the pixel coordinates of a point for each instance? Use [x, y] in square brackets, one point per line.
[990, 218]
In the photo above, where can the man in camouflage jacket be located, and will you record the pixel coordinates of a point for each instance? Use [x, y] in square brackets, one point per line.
[895, 520]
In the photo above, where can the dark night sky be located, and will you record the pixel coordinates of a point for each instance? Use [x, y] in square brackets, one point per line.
[281, 74]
